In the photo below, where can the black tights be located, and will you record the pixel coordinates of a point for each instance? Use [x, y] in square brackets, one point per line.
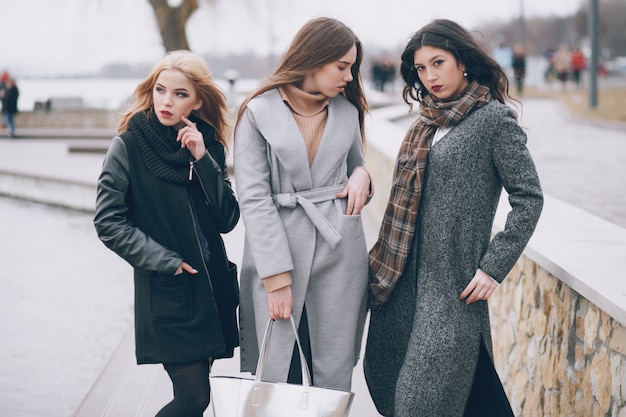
[191, 389]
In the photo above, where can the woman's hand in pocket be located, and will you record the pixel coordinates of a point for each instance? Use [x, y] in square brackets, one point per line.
[357, 190]
[480, 288]
[184, 266]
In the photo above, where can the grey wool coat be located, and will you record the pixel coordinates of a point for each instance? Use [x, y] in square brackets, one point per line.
[423, 344]
[291, 228]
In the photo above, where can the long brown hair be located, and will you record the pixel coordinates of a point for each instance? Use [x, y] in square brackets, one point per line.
[320, 41]
[450, 36]
[213, 110]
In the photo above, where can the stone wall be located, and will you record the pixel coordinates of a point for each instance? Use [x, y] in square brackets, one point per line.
[68, 118]
[558, 354]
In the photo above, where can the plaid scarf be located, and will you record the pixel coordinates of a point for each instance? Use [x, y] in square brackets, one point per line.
[389, 255]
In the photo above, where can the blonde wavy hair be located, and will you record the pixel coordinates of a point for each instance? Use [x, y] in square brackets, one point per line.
[213, 110]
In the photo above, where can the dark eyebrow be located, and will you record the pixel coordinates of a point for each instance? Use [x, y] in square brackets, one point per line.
[176, 89]
[431, 59]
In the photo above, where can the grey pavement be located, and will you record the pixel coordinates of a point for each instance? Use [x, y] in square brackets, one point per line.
[60, 176]
[580, 162]
[63, 133]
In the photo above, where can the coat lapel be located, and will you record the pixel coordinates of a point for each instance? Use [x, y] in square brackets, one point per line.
[336, 140]
[280, 130]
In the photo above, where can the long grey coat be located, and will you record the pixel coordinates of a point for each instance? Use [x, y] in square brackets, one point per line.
[328, 272]
[423, 344]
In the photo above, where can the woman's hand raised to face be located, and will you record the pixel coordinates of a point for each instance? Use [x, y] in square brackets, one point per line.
[191, 138]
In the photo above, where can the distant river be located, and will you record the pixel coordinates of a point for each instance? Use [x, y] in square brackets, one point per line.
[107, 93]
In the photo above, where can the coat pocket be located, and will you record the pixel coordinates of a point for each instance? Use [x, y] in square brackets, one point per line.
[170, 298]
[233, 285]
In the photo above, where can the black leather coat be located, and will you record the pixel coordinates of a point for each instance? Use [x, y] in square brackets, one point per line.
[151, 224]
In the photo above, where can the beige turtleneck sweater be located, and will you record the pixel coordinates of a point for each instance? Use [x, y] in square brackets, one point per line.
[310, 112]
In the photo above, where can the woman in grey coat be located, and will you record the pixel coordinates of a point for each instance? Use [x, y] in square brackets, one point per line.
[435, 265]
[301, 184]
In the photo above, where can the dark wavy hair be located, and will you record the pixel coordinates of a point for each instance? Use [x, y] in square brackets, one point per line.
[450, 36]
[320, 41]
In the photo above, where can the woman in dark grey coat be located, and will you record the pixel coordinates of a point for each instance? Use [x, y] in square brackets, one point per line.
[164, 199]
[434, 265]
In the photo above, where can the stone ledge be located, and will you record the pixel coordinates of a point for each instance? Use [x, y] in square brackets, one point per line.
[585, 252]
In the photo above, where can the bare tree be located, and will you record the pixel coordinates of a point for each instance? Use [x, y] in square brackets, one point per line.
[172, 21]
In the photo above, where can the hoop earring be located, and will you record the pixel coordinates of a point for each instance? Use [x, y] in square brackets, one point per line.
[419, 94]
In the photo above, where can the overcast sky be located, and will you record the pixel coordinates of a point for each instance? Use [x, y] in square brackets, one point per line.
[79, 36]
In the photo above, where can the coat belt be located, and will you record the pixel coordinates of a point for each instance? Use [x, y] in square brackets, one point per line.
[307, 200]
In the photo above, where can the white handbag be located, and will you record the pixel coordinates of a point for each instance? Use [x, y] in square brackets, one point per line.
[246, 397]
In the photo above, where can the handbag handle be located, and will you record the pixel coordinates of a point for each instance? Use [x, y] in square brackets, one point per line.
[260, 367]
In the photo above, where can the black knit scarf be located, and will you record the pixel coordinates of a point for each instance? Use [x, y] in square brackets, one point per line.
[160, 150]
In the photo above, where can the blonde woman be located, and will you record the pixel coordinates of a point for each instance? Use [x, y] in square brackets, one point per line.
[163, 200]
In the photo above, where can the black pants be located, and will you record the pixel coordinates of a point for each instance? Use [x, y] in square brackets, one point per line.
[487, 397]
[295, 370]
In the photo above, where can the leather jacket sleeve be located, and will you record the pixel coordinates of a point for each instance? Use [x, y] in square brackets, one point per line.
[218, 192]
[114, 228]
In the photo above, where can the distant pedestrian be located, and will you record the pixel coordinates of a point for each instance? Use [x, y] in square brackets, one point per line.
[550, 73]
[164, 199]
[562, 64]
[579, 63]
[4, 76]
[383, 74]
[9, 94]
[435, 263]
[519, 67]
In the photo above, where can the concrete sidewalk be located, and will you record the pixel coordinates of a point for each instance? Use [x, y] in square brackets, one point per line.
[579, 162]
[125, 389]
[62, 133]
[45, 169]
